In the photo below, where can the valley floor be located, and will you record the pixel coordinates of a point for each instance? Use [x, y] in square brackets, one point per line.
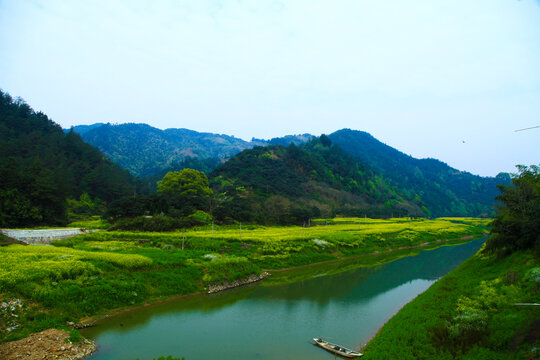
[94, 274]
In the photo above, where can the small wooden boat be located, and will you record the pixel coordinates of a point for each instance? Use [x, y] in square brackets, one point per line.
[336, 349]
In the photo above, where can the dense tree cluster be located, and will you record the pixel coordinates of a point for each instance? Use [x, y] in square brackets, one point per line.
[517, 223]
[41, 167]
[183, 199]
[445, 191]
[277, 184]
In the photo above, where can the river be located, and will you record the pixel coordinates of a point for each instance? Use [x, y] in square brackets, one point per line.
[274, 319]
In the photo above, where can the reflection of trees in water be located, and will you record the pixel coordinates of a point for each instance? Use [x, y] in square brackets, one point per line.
[365, 283]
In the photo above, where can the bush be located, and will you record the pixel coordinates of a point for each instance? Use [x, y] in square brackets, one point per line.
[156, 223]
[75, 336]
[201, 217]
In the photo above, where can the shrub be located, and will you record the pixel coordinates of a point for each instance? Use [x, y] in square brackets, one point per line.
[158, 223]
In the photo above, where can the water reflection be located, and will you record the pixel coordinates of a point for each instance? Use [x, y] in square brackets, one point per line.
[270, 322]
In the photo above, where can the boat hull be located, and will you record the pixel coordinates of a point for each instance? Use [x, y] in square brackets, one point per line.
[337, 349]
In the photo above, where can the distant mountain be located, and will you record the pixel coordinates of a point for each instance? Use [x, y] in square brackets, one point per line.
[83, 129]
[281, 184]
[145, 151]
[149, 152]
[41, 167]
[445, 191]
[290, 139]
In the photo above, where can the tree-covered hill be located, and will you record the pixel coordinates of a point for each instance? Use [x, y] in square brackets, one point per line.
[83, 129]
[41, 166]
[279, 184]
[147, 151]
[445, 191]
[150, 152]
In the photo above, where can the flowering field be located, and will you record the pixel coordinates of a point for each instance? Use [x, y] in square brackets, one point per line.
[348, 235]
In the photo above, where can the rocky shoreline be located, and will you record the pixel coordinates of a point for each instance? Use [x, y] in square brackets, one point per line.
[229, 285]
[50, 344]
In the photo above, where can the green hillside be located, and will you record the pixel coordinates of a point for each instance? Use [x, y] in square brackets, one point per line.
[147, 151]
[144, 150]
[41, 167]
[445, 191]
[289, 184]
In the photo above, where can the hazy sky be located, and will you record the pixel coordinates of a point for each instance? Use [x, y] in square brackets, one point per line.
[445, 79]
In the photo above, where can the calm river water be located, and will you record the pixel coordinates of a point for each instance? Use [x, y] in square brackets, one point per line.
[277, 321]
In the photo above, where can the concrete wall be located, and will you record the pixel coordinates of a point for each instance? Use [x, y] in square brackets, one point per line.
[41, 236]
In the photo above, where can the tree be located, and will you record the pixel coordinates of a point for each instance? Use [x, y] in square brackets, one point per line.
[187, 182]
[325, 140]
[517, 222]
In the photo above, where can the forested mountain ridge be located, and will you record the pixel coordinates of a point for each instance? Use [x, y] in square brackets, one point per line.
[445, 191]
[41, 167]
[278, 183]
[146, 151]
[83, 129]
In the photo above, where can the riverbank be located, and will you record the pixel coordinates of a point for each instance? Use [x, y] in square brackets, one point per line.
[469, 314]
[90, 275]
[226, 285]
[348, 306]
[50, 344]
[285, 275]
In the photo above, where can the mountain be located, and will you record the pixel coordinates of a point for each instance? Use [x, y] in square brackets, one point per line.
[41, 167]
[290, 139]
[83, 129]
[445, 191]
[279, 184]
[145, 151]
[150, 152]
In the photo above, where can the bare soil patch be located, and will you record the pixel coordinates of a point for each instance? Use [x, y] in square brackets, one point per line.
[50, 344]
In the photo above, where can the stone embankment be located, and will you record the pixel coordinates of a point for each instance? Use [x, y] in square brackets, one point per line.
[42, 236]
[50, 344]
[229, 285]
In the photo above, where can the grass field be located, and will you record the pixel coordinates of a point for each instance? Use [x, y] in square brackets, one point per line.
[94, 273]
[469, 314]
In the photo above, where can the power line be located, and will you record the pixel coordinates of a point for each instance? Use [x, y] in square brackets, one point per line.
[534, 127]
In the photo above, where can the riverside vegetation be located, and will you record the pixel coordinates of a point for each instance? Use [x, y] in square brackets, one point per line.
[471, 313]
[94, 273]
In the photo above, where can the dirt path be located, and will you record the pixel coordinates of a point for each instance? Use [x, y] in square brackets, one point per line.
[50, 344]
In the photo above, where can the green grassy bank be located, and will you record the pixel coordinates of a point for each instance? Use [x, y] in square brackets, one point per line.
[96, 273]
[469, 314]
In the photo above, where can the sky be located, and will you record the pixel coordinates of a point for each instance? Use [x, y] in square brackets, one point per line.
[450, 80]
